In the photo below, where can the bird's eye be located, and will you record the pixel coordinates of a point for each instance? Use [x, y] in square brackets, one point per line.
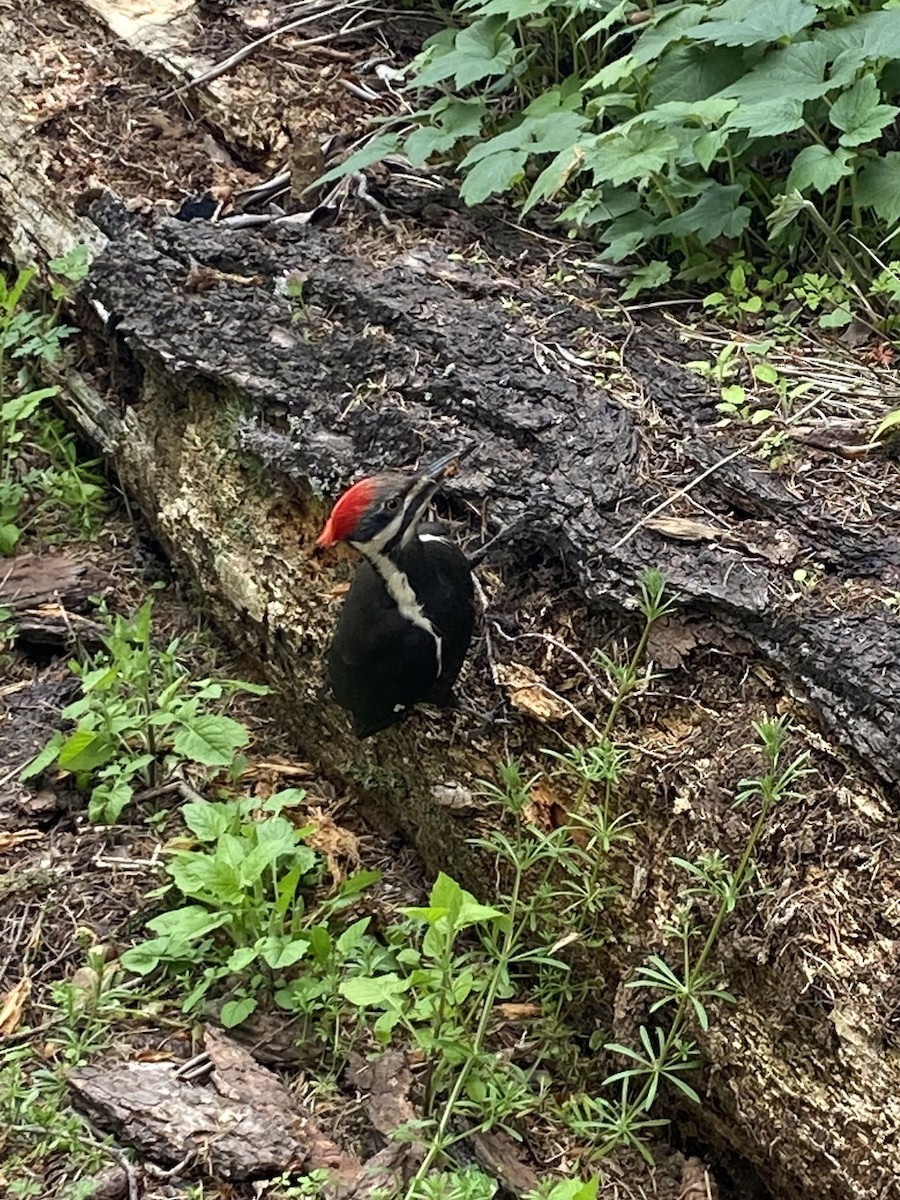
[392, 505]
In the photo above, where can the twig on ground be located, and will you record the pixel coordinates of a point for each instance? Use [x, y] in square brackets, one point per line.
[238, 56]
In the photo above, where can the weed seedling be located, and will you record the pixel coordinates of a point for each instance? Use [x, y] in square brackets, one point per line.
[139, 708]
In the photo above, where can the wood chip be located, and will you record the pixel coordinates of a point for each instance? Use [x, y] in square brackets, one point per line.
[529, 693]
[387, 1081]
[544, 810]
[696, 1182]
[11, 838]
[519, 1011]
[685, 529]
[13, 1006]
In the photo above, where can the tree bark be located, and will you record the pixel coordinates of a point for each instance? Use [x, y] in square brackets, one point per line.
[235, 420]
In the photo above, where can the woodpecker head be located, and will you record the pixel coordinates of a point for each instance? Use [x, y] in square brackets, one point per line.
[381, 514]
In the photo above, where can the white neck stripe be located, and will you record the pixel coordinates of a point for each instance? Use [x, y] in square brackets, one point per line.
[401, 592]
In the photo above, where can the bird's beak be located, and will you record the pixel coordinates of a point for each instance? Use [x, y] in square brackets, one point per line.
[441, 468]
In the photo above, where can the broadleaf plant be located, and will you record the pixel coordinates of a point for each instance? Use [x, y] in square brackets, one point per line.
[139, 710]
[670, 133]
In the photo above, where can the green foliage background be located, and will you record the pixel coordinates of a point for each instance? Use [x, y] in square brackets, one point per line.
[677, 133]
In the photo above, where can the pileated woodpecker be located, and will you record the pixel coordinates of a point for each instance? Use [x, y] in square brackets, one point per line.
[407, 622]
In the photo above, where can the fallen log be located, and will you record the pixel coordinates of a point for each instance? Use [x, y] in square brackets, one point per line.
[234, 419]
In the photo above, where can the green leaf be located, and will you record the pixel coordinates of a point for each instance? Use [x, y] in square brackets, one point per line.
[242, 957]
[481, 50]
[512, 10]
[85, 750]
[819, 168]
[863, 39]
[760, 415]
[618, 157]
[890, 423]
[447, 894]
[695, 73]
[44, 759]
[768, 118]
[385, 1025]
[610, 75]
[320, 942]
[497, 164]
[707, 145]
[20, 408]
[187, 923]
[494, 174]
[9, 537]
[372, 152]
[244, 685]
[624, 235]
[97, 680]
[797, 71]
[210, 739]
[659, 35]
[473, 913]
[288, 954]
[563, 98]
[859, 113]
[73, 265]
[108, 800]
[207, 877]
[199, 990]
[235, 1011]
[288, 798]
[144, 958]
[734, 394]
[429, 915]
[357, 883]
[765, 373]
[575, 1189]
[838, 318]
[10, 297]
[716, 214]
[785, 211]
[275, 837]
[207, 820]
[748, 23]
[353, 935]
[375, 992]
[709, 111]
[449, 121]
[546, 134]
[613, 17]
[653, 274]
[878, 187]
[555, 176]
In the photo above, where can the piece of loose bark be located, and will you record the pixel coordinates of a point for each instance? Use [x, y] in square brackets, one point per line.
[31, 580]
[504, 1158]
[387, 1081]
[243, 1124]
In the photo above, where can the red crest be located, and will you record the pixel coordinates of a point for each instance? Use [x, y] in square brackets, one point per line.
[346, 513]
